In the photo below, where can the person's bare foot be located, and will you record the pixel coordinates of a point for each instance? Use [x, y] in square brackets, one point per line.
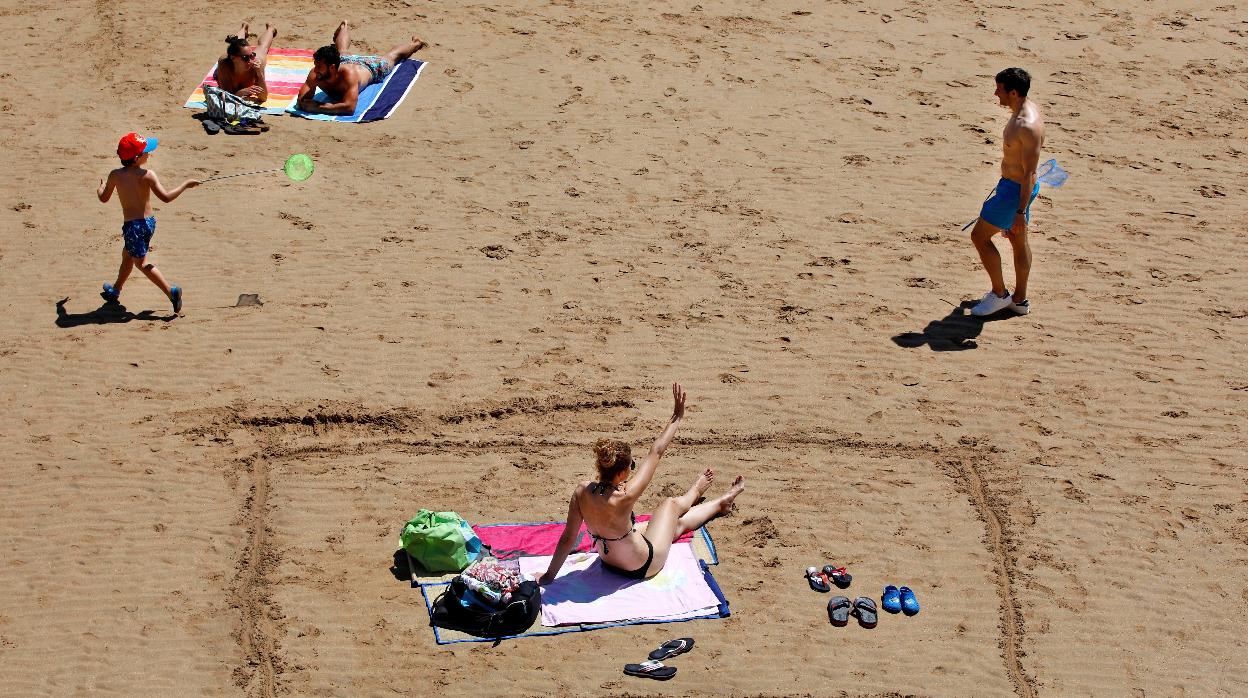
[342, 26]
[703, 483]
[418, 43]
[725, 502]
[270, 28]
[244, 31]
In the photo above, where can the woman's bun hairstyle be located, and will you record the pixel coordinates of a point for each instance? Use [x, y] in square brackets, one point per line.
[611, 456]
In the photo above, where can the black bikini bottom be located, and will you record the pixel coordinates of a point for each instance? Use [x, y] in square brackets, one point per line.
[639, 573]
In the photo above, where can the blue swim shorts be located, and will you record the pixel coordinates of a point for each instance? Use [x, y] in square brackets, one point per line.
[138, 235]
[1000, 208]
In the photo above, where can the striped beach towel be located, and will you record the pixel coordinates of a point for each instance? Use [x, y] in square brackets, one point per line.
[377, 101]
[286, 70]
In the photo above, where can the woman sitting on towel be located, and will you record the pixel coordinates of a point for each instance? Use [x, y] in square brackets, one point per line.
[636, 550]
[241, 70]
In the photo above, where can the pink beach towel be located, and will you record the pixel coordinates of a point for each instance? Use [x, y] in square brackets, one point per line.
[515, 540]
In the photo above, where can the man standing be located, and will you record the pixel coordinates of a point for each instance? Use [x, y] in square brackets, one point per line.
[1005, 210]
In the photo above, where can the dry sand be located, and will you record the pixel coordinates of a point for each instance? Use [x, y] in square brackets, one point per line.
[579, 203]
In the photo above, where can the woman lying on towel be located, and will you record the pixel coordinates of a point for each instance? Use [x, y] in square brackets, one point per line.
[636, 550]
[241, 70]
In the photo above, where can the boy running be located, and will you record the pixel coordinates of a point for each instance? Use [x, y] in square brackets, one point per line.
[134, 185]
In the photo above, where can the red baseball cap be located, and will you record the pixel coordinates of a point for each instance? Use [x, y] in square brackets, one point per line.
[133, 145]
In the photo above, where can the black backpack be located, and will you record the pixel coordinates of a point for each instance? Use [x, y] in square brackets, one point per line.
[513, 618]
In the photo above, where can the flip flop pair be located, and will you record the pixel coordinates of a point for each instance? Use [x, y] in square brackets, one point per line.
[654, 668]
[863, 608]
[901, 600]
[212, 127]
[818, 579]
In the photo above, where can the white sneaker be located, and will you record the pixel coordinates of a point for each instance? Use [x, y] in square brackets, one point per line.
[992, 303]
[1021, 308]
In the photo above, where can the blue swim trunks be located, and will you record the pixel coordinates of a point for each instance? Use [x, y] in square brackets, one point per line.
[1000, 208]
[377, 66]
[138, 235]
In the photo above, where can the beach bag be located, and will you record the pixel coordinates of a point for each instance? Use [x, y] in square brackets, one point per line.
[459, 608]
[227, 108]
[441, 541]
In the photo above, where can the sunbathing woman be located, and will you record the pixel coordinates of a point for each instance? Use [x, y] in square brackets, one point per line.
[241, 70]
[636, 550]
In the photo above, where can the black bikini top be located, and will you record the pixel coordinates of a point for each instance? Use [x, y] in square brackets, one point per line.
[598, 488]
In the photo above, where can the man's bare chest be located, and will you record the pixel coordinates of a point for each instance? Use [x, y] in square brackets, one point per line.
[1010, 133]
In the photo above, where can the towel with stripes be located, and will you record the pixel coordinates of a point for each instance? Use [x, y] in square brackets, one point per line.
[287, 70]
[377, 101]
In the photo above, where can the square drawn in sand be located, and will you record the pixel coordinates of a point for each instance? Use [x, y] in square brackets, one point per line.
[335, 617]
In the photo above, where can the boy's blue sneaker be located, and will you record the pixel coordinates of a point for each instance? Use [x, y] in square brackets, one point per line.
[909, 604]
[891, 599]
[175, 295]
[110, 294]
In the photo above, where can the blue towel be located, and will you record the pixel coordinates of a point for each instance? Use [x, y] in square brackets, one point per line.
[377, 101]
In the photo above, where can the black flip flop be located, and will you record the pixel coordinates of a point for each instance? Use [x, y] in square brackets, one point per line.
[210, 126]
[838, 611]
[864, 608]
[838, 576]
[240, 130]
[650, 670]
[671, 648]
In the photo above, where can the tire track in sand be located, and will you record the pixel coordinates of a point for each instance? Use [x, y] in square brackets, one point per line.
[996, 526]
[107, 46]
[250, 592]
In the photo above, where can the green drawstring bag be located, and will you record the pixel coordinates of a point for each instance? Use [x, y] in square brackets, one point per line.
[441, 541]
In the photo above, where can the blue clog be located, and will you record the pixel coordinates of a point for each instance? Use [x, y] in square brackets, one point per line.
[891, 600]
[909, 604]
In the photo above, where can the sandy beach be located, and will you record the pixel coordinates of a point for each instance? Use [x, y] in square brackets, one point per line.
[577, 204]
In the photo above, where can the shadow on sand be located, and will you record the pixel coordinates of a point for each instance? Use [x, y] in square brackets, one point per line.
[106, 314]
[954, 332]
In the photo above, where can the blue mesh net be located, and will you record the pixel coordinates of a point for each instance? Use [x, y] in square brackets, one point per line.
[1051, 174]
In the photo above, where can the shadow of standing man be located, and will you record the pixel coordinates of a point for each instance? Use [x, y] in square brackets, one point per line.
[954, 332]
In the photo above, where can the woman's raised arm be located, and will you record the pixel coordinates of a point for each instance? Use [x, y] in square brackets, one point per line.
[650, 463]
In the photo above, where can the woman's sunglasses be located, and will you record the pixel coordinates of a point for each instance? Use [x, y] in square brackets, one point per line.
[247, 56]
